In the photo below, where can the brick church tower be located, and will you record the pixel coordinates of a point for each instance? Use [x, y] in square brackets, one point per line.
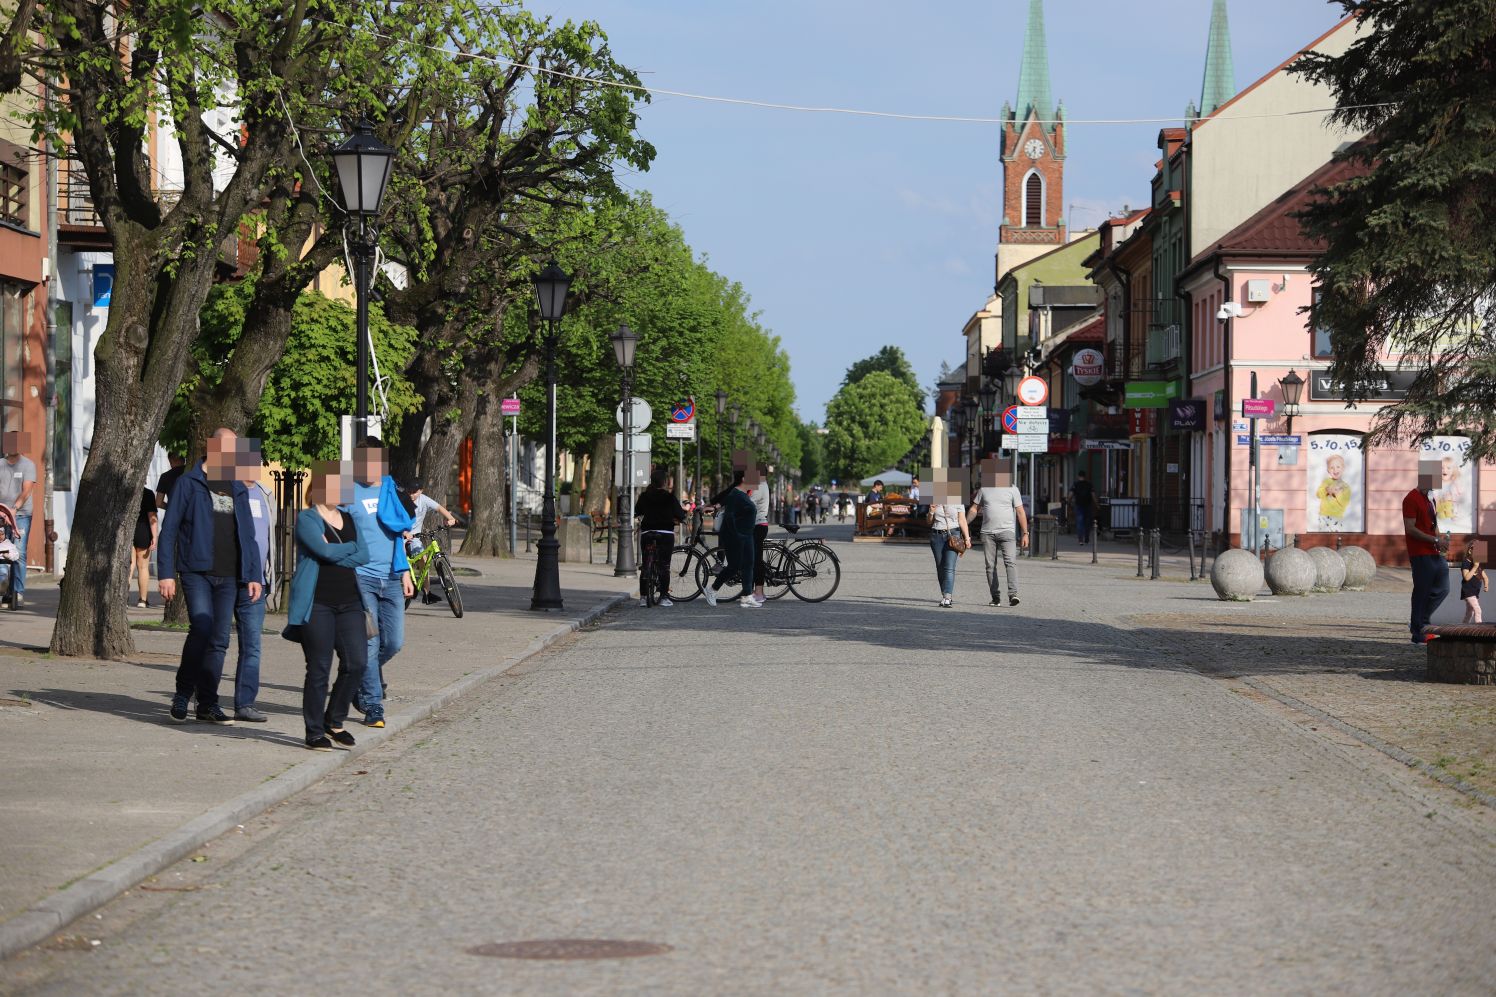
[1033, 158]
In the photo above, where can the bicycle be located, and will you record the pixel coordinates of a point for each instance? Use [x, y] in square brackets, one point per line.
[649, 586]
[432, 559]
[689, 556]
[805, 566]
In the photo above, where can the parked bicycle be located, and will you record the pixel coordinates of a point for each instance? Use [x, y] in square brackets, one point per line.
[431, 559]
[805, 566]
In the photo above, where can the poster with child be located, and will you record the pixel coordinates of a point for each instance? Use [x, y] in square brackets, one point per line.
[1336, 484]
[1454, 499]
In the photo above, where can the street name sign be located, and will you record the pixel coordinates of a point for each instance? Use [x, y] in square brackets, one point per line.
[1258, 408]
[509, 406]
[1271, 440]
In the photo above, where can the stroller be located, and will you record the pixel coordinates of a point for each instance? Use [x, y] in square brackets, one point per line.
[10, 552]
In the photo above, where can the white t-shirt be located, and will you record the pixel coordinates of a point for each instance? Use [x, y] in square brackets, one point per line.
[760, 496]
[947, 517]
[13, 478]
[424, 503]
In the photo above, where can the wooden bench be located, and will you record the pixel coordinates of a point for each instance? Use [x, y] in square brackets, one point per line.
[1462, 653]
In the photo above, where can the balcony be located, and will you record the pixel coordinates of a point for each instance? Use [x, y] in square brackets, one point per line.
[1165, 345]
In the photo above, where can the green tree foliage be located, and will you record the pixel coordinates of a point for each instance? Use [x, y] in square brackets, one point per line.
[890, 360]
[1409, 266]
[314, 382]
[871, 423]
[812, 454]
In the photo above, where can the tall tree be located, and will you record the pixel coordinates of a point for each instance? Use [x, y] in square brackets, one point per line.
[168, 67]
[871, 423]
[1409, 268]
[890, 360]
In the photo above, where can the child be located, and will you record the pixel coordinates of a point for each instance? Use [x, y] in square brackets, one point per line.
[1450, 498]
[1334, 494]
[1473, 582]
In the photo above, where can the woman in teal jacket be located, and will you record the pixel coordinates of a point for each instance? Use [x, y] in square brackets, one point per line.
[326, 612]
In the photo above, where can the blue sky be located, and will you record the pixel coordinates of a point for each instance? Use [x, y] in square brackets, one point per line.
[849, 232]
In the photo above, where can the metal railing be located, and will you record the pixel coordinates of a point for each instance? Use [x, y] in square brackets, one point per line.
[1164, 344]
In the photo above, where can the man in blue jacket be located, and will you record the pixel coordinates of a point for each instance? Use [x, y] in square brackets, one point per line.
[384, 581]
[207, 544]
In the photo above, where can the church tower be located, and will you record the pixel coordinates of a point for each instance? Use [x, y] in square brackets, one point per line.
[1219, 83]
[1033, 157]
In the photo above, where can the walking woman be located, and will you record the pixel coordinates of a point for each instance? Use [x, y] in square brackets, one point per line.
[326, 611]
[147, 528]
[760, 496]
[949, 524]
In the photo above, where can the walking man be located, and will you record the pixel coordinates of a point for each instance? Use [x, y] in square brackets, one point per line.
[17, 483]
[1425, 550]
[1004, 528]
[249, 614]
[207, 544]
[384, 583]
[1083, 500]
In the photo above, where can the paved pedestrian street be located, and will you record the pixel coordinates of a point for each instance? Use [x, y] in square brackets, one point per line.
[1083, 794]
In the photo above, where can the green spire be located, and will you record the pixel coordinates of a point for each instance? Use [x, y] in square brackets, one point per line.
[1219, 84]
[1033, 72]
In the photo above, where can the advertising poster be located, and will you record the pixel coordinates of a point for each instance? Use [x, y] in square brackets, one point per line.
[1336, 484]
[1454, 499]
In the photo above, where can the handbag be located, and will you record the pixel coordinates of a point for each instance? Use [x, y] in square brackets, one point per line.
[371, 626]
[957, 543]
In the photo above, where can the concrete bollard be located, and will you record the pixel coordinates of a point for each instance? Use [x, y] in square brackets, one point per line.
[1329, 569]
[1291, 571]
[1360, 567]
[1236, 575]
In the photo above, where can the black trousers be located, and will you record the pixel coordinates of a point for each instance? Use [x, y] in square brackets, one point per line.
[330, 628]
[664, 546]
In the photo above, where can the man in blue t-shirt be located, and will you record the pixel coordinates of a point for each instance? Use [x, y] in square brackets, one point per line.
[385, 581]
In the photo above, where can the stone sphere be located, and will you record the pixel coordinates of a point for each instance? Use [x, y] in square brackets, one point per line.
[1291, 572]
[1329, 567]
[1236, 575]
[1360, 567]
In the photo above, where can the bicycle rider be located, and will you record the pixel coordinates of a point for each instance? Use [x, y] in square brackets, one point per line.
[658, 511]
[423, 504]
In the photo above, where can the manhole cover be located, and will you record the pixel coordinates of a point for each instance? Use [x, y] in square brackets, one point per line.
[569, 948]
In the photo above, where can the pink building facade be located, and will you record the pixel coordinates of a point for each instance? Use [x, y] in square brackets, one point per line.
[1320, 483]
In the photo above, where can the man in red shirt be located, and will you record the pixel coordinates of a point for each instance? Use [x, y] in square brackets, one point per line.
[1425, 551]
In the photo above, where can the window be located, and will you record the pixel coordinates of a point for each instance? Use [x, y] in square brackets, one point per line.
[15, 186]
[1321, 333]
[1033, 200]
[11, 336]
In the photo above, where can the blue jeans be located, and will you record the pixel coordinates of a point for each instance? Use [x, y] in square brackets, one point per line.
[249, 623]
[210, 610]
[1083, 518]
[945, 562]
[1430, 587]
[18, 569]
[385, 598]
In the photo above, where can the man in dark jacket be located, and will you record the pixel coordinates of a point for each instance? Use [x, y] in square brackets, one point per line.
[735, 534]
[207, 544]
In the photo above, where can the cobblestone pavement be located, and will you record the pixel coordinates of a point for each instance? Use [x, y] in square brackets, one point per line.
[871, 795]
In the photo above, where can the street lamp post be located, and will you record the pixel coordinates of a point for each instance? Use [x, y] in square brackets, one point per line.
[551, 285]
[721, 410]
[363, 165]
[625, 341]
[1293, 389]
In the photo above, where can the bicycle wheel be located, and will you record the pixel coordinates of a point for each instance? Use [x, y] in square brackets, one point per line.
[648, 582]
[708, 566]
[683, 571]
[814, 572]
[777, 563]
[449, 585]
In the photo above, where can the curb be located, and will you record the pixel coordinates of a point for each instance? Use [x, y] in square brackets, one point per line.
[44, 918]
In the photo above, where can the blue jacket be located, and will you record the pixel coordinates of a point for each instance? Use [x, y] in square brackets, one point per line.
[312, 545]
[394, 520]
[186, 539]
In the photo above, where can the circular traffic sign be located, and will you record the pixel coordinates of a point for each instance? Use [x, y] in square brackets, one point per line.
[1033, 390]
[1010, 419]
[642, 413]
[683, 410]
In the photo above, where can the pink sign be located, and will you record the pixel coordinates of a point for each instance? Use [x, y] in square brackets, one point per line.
[1257, 408]
[509, 406]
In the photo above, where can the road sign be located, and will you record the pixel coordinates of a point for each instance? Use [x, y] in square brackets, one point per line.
[1010, 419]
[641, 443]
[1257, 408]
[1033, 390]
[509, 406]
[680, 430]
[1026, 442]
[642, 414]
[1106, 444]
[683, 410]
[1271, 440]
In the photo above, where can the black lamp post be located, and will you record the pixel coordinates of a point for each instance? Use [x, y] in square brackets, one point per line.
[721, 410]
[1293, 390]
[625, 341]
[551, 285]
[363, 164]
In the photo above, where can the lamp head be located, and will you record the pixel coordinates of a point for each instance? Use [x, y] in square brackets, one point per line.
[363, 164]
[625, 342]
[551, 285]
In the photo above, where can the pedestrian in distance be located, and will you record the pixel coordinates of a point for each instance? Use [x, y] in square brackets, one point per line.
[761, 495]
[249, 614]
[1004, 528]
[207, 545]
[17, 485]
[950, 536]
[1426, 550]
[326, 611]
[384, 581]
[658, 511]
[735, 536]
[1473, 581]
[147, 528]
[421, 507]
[1083, 501]
[168, 480]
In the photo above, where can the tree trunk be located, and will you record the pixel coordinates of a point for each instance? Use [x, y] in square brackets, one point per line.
[138, 363]
[600, 481]
[488, 527]
[449, 427]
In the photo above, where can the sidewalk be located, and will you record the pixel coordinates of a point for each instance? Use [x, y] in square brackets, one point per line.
[95, 771]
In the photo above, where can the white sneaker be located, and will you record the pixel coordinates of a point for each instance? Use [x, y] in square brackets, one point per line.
[758, 600]
[748, 603]
[643, 602]
[711, 595]
[664, 602]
